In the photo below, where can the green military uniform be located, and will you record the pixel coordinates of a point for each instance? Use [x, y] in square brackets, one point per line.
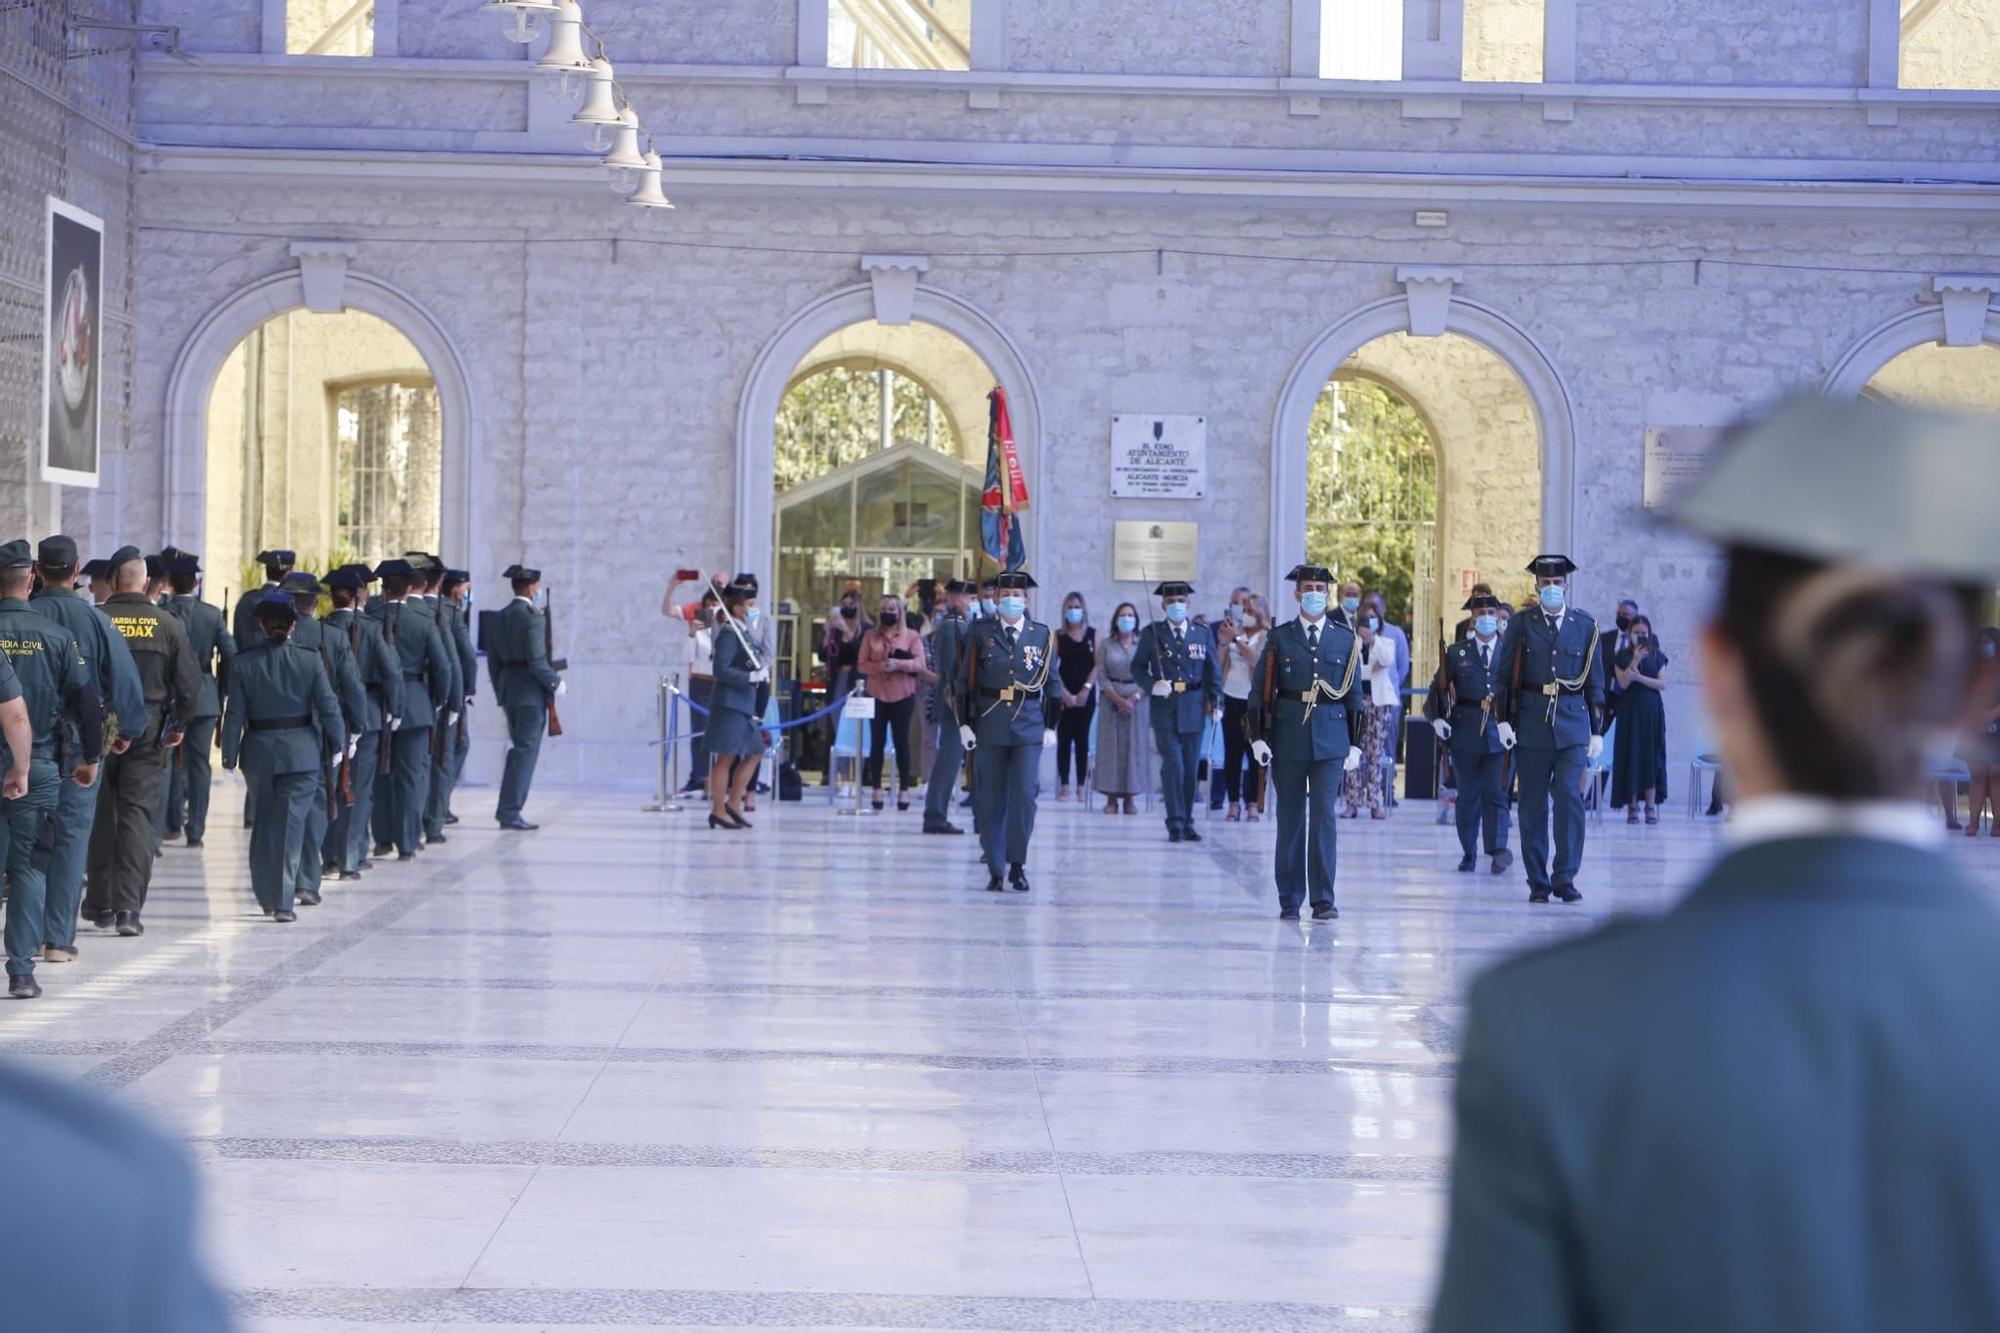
[524, 682]
[1300, 722]
[117, 680]
[53, 681]
[1004, 691]
[283, 724]
[425, 694]
[1463, 701]
[121, 843]
[346, 841]
[460, 743]
[243, 624]
[214, 646]
[1177, 665]
[345, 677]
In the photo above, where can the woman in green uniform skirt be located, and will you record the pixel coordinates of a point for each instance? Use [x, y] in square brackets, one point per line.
[735, 734]
[1773, 1107]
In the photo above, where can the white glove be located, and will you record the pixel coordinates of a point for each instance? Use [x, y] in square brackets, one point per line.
[1216, 715]
[1261, 752]
[1352, 762]
[1506, 730]
[450, 719]
[395, 723]
[1596, 748]
[1161, 689]
[353, 744]
[967, 739]
[333, 764]
[757, 677]
[1442, 728]
[562, 688]
[1048, 740]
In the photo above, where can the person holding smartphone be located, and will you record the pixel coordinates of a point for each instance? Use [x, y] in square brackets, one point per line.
[891, 661]
[1639, 751]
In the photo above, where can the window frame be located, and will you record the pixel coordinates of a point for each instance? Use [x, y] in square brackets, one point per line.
[278, 12]
[989, 39]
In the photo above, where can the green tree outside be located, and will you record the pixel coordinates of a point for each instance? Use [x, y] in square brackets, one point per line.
[1371, 489]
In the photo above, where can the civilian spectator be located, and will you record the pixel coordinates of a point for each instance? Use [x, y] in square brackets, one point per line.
[1981, 748]
[891, 662]
[1122, 727]
[1611, 643]
[1392, 741]
[1076, 693]
[1242, 778]
[1376, 679]
[1639, 751]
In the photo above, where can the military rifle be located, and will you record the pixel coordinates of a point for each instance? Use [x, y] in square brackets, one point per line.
[558, 664]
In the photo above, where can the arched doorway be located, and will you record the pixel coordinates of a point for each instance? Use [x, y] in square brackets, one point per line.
[878, 447]
[325, 434]
[1424, 467]
[1933, 375]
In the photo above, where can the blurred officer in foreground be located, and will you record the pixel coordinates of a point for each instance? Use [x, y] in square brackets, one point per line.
[54, 684]
[135, 782]
[117, 680]
[1773, 1108]
[282, 723]
[1004, 699]
[106, 1184]
[1301, 726]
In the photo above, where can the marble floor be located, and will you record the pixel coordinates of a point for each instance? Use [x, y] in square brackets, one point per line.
[627, 1072]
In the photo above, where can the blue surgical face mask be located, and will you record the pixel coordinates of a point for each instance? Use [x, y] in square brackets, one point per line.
[1350, 604]
[1177, 611]
[1487, 625]
[1313, 604]
[1552, 597]
[751, 616]
[1073, 615]
[1372, 623]
[986, 606]
[1126, 624]
[1012, 607]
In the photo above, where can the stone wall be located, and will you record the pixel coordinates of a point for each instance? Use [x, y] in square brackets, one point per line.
[1149, 37]
[1957, 47]
[1812, 43]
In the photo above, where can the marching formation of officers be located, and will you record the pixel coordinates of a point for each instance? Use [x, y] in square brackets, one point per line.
[349, 728]
[1531, 697]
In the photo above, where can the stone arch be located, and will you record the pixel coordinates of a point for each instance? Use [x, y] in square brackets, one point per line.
[1554, 413]
[1889, 340]
[772, 372]
[184, 428]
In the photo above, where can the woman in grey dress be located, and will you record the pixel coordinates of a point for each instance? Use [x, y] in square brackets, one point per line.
[735, 741]
[1121, 722]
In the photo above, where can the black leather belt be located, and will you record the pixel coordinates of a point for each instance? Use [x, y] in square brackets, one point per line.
[413, 675]
[1007, 694]
[279, 723]
[1297, 696]
[506, 665]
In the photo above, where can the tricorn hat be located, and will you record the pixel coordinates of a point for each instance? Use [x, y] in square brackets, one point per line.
[57, 552]
[521, 574]
[1018, 580]
[1551, 566]
[1174, 588]
[276, 605]
[299, 583]
[1309, 574]
[1481, 602]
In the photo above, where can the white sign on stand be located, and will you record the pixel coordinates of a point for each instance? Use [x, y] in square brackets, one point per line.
[1159, 458]
[860, 707]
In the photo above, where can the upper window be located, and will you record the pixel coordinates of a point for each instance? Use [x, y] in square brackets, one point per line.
[899, 34]
[1951, 44]
[330, 27]
[1501, 41]
[388, 464]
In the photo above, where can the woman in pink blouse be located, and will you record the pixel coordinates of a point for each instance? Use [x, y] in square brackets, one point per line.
[893, 663]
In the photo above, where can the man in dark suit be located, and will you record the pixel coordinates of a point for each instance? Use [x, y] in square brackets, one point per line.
[1549, 699]
[1301, 726]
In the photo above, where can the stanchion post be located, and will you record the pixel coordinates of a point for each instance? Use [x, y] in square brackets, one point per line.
[669, 779]
[846, 715]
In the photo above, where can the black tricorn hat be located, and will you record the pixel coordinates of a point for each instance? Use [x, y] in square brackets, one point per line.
[95, 569]
[1480, 602]
[276, 605]
[1174, 588]
[279, 557]
[521, 574]
[1309, 574]
[57, 552]
[394, 568]
[960, 585]
[1551, 566]
[1018, 580]
[299, 583]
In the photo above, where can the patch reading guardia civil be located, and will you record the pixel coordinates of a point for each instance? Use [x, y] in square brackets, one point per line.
[135, 627]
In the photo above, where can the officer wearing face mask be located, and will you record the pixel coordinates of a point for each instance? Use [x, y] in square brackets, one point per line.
[1004, 695]
[1549, 699]
[1461, 713]
[1176, 664]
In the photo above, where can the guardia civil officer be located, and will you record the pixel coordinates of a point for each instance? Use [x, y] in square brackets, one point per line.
[1008, 723]
[243, 626]
[428, 574]
[422, 703]
[526, 686]
[117, 680]
[346, 843]
[283, 724]
[135, 782]
[54, 684]
[947, 647]
[1301, 725]
[334, 786]
[1177, 664]
[1549, 697]
[1460, 709]
[1773, 1107]
[455, 595]
[214, 646]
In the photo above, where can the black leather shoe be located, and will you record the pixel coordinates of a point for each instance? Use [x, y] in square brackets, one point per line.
[1189, 835]
[23, 988]
[128, 924]
[1502, 859]
[307, 897]
[194, 842]
[103, 920]
[1326, 913]
[451, 819]
[1017, 879]
[1288, 914]
[1538, 895]
[381, 849]
[406, 856]
[1466, 862]
[523, 826]
[943, 828]
[994, 884]
[1173, 835]
[284, 918]
[1568, 893]
[435, 837]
